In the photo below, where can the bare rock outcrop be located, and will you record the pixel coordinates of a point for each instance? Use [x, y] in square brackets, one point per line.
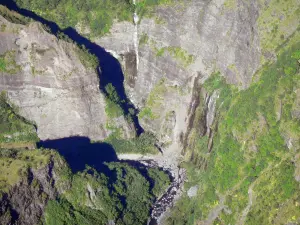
[177, 44]
[48, 80]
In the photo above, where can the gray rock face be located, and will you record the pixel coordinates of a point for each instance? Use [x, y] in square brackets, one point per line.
[192, 192]
[181, 42]
[51, 86]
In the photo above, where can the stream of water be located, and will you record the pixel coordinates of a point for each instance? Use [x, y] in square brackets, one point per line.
[135, 36]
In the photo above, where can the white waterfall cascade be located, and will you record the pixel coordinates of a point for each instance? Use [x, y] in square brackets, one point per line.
[135, 37]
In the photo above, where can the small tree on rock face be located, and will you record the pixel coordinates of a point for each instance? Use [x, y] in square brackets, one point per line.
[112, 93]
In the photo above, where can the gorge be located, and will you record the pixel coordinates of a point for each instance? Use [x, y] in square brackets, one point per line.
[149, 112]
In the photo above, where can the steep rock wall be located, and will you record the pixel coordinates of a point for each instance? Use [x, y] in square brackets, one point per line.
[179, 43]
[50, 83]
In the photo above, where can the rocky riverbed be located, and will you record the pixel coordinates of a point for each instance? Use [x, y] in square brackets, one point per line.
[169, 161]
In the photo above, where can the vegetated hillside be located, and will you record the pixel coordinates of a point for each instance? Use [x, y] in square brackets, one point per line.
[251, 173]
[74, 13]
[102, 14]
[37, 186]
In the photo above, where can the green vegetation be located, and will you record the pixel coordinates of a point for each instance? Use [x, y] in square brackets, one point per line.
[88, 59]
[154, 101]
[13, 16]
[249, 151]
[274, 189]
[147, 113]
[143, 39]
[181, 55]
[230, 4]
[14, 165]
[125, 197]
[13, 128]
[123, 194]
[69, 13]
[62, 212]
[8, 63]
[102, 13]
[113, 102]
[146, 8]
[160, 179]
[278, 23]
[144, 144]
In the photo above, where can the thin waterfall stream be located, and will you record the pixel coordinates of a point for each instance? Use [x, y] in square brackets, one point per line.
[135, 35]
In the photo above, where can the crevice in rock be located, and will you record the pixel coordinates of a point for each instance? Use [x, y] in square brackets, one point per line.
[192, 120]
[202, 122]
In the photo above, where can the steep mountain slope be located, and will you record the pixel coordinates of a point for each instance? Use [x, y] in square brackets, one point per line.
[54, 83]
[217, 82]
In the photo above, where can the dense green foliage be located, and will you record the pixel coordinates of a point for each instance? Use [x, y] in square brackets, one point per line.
[249, 151]
[119, 193]
[8, 63]
[102, 13]
[160, 181]
[113, 102]
[14, 165]
[147, 7]
[62, 212]
[124, 196]
[13, 128]
[144, 144]
[13, 16]
[88, 59]
[69, 13]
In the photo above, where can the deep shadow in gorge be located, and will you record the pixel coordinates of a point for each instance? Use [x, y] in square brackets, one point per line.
[79, 152]
[111, 71]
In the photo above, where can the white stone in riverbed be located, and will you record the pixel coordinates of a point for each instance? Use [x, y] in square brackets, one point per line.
[192, 192]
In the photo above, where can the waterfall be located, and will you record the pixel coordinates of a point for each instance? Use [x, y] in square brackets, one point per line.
[135, 37]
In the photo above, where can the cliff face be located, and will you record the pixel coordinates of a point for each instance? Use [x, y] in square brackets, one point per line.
[182, 41]
[215, 80]
[51, 82]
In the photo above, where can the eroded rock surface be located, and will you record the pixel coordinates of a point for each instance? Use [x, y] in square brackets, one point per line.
[51, 85]
[180, 42]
